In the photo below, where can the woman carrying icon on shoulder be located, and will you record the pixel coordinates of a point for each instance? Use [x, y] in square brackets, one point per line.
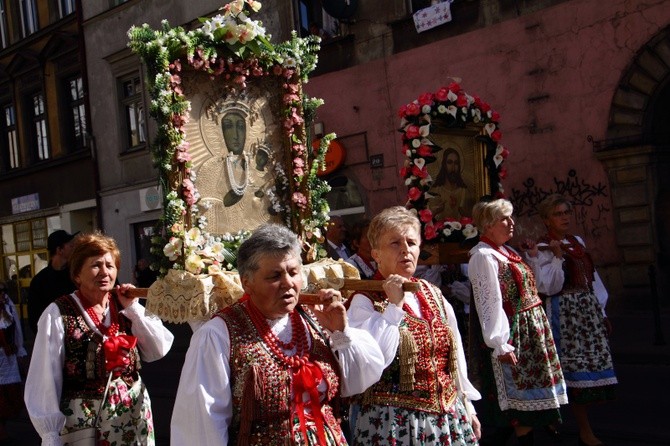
[576, 308]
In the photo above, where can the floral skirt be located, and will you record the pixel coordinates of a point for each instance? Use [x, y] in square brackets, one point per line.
[531, 392]
[581, 340]
[387, 425]
[126, 418]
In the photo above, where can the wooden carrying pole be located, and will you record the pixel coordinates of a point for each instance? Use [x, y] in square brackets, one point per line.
[313, 299]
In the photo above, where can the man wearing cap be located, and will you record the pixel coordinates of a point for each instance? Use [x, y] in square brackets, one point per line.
[54, 280]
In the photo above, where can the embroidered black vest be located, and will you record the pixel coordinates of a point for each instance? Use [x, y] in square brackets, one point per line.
[84, 374]
[259, 377]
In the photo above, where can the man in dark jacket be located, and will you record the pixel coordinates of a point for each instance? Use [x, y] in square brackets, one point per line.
[54, 280]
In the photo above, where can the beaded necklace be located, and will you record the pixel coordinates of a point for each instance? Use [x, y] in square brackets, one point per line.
[298, 337]
[306, 375]
[426, 312]
[113, 329]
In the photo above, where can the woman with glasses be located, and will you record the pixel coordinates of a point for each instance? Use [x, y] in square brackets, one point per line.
[576, 308]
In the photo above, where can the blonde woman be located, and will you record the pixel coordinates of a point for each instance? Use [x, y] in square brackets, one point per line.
[521, 368]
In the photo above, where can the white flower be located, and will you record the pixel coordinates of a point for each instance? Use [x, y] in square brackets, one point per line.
[441, 109]
[214, 251]
[452, 110]
[451, 96]
[416, 143]
[425, 109]
[447, 231]
[424, 130]
[194, 237]
[194, 263]
[469, 231]
[173, 249]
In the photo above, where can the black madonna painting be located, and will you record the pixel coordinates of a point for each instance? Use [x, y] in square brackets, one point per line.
[235, 141]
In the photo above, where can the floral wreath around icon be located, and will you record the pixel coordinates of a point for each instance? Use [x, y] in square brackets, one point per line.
[234, 49]
[449, 107]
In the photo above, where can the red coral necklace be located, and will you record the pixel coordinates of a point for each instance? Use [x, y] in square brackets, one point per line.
[113, 329]
[298, 337]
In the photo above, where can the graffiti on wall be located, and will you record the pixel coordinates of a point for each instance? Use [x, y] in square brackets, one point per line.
[591, 211]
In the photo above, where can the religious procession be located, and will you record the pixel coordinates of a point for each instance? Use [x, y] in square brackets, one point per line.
[454, 312]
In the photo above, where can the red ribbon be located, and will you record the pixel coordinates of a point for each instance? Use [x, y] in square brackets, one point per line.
[116, 352]
[306, 378]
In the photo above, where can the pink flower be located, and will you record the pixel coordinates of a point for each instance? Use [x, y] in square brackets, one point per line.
[414, 193]
[299, 199]
[114, 399]
[298, 162]
[277, 70]
[425, 215]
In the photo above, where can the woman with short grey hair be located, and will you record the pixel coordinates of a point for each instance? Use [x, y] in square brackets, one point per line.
[520, 366]
[265, 366]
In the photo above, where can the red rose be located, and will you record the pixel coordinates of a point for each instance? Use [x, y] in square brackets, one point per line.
[466, 221]
[495, 116]
[454, 87]
[461, 101]
[430, 232]
[421, 173]
[424, 150]
[496, 135]
[412, 131]
[413, 109]
[504, 153]
[403, 172]
[402, 111]
[414, 193]
[503, 173]
[425, 215]
[441, 94]
[426, 99]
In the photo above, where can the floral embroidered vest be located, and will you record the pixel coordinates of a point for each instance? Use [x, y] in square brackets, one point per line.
[265, 384]
[577, 266]
[513, 300]
[432, 357]
[84, 374]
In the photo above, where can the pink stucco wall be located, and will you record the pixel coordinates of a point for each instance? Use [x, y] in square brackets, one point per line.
[580, 50]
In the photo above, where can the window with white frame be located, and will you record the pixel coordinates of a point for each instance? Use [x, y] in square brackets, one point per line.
[78, 112]
[133, 110]
[66, 7]
[40, 127]
[11, 139]
[29, 23]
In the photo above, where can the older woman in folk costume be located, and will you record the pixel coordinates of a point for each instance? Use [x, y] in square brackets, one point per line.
[266, 371]
[523, 382]
[81, 337]
[576, 309]
[424, 394]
